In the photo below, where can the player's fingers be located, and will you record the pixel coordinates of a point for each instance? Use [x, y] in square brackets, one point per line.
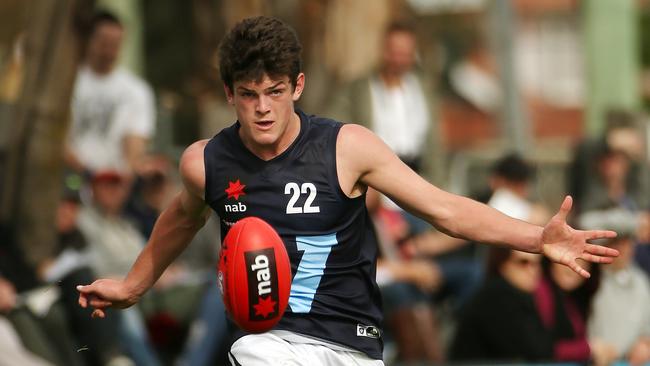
[579, 270]
[601, 250]
[98, 313]
[599, 234]
[87, 289]
[99, 303]
[83, 300]
[596, 258]
[565, 208]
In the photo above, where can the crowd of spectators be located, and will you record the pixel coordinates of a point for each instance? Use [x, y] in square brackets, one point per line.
[446, 300]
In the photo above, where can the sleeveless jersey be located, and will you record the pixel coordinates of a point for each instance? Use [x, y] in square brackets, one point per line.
[329, 237]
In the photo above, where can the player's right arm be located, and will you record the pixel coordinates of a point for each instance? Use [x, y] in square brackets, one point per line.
[173, 231]
[363, 160]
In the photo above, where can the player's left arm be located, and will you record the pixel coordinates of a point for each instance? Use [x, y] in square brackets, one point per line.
[364, 160]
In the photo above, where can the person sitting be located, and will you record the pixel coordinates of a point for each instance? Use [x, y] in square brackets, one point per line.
[621, 307]
[500, 323]
[564, 302]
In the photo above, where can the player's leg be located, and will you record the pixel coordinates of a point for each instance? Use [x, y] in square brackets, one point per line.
[268, 349]
[263, 349]
[330, 357]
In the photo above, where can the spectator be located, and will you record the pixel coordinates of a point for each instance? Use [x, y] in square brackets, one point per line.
[612, 199]
[113, 110]
[68, 268]
[12, 350]
[500, 323]
[564, 302]
[397, 103]
[615, 182]
[113, 244]
[621, 310]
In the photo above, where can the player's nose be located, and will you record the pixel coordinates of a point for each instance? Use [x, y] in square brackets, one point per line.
[262, 106]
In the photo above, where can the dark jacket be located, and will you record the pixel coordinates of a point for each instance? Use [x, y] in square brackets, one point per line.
[501, 324]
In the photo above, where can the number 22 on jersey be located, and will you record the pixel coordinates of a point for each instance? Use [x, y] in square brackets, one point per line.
[295, 191]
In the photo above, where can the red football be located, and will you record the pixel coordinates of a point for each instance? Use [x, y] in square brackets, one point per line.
[254, 275]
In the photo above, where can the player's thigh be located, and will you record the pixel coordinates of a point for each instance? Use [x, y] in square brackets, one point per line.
[329, 357]
[266, 349]
[262, 350]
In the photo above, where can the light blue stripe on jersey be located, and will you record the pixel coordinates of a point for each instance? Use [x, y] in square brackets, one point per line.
[310, 270]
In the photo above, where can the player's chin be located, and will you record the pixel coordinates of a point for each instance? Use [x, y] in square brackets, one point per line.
[266, 138]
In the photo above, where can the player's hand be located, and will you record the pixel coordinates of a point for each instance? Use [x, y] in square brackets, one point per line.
[103, 294]
[563, 244]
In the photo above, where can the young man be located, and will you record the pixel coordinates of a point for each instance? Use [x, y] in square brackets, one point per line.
[307, 177]
[113, 110]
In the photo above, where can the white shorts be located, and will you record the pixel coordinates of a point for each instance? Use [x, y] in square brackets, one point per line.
[269, 349]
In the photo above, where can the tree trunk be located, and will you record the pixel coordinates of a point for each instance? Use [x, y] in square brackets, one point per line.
[32, 178]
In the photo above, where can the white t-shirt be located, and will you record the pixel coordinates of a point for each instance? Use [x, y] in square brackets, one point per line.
[400, 115]
[105, 109]
[508, 203]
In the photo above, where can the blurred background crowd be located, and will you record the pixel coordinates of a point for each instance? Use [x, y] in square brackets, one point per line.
[514, 103]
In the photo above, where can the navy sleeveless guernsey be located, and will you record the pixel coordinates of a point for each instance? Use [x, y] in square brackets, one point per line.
[329, 237]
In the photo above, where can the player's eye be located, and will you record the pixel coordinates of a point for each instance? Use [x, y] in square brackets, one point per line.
[247, 94]
[276, 92]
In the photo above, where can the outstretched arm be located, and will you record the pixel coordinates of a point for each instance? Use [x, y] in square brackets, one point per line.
[172, 232]
[364, 160]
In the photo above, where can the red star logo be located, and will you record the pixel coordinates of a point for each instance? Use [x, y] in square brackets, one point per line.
[235, 189]
[265, 306]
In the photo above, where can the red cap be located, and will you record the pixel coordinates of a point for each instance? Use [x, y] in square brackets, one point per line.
[111, 176]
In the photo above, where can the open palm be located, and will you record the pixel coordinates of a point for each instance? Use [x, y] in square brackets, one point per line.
[563, 244]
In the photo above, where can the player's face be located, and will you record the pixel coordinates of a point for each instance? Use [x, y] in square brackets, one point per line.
[265, 110]
[104, 47]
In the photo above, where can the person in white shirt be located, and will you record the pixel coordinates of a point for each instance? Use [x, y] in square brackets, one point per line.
[112, 109]
[624, 292]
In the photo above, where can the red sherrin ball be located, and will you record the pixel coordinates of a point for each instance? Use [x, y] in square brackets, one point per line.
[254, 275]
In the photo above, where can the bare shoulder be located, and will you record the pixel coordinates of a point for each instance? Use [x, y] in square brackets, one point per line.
[192, 168]
[354, 133]
[358, 151]
[358, 145]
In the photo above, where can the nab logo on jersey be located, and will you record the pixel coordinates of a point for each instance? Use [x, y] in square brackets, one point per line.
[235, 190]
[262, 284]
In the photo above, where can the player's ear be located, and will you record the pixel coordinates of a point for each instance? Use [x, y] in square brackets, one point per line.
[230, 97]
[300, 85]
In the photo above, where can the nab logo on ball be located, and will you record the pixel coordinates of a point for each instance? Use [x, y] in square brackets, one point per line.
[254, 275]
[262, 284]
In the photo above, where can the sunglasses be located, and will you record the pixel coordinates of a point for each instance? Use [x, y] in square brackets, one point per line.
[525, 262]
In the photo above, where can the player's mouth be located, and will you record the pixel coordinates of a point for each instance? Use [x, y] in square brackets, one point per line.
[264, 125]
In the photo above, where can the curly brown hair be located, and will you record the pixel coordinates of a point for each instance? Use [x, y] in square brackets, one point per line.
[257, 46]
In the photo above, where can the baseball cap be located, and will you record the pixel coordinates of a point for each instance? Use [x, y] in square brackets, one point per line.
[624, 222]
[107, 176]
